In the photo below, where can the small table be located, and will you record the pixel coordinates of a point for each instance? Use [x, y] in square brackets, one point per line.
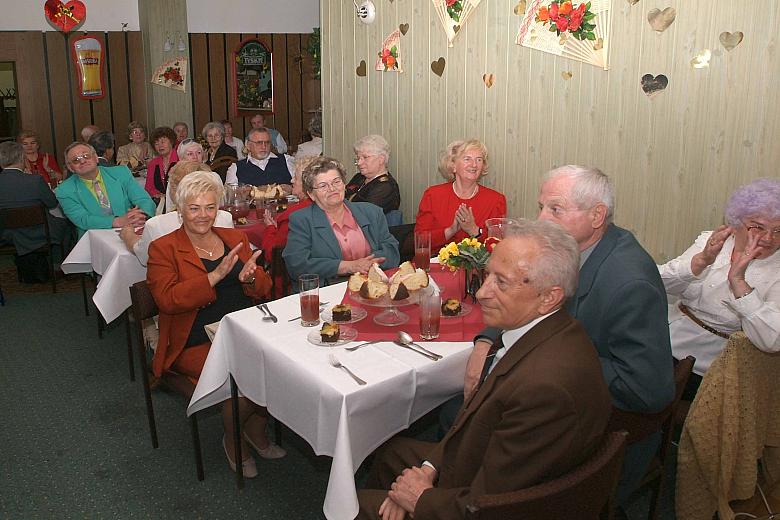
[102, 251]
[274, 365]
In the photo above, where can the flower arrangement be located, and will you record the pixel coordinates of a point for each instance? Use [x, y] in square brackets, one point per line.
[469, 253]
[454, 9]
[563, 17]
[389, 57]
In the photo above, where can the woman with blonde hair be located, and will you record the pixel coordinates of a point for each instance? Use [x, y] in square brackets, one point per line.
[37, 162]
[458, 208]
[138, 151]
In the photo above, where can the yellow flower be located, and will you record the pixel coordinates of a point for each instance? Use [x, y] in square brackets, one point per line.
[453, 249]
[444, 255]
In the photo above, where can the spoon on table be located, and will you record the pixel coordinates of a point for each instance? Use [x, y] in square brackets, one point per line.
[265, 316]
[405, 339]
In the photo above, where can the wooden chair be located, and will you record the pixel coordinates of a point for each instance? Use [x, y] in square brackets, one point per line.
[405, 236]
[143, 308]
[639, 426]
[30, 216]
[585, 493]
[280, 278]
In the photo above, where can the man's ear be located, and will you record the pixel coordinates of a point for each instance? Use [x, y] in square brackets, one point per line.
[551, 300]
[598, 215]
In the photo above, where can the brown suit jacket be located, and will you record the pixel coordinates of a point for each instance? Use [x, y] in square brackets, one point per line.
[180, 286]
[541, 412]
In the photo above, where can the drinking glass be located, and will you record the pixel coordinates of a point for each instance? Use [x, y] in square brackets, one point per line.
[496, 226]
[270, 207]
[430, 314]
[422, 250]
[310, 299]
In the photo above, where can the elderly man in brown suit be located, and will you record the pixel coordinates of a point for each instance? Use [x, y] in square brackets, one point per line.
[540, 410]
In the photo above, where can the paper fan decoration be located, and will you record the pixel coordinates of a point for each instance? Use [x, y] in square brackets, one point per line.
[388, 56]
[172, 74]
[579, 31]
[453, 15]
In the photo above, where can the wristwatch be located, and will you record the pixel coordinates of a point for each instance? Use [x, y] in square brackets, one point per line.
[479, 232]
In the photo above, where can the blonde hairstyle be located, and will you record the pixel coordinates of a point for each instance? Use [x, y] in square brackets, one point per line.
[181, 169]
[301, 163]
[136, 125]
[24, 134]
[455, 151]
[196, 184]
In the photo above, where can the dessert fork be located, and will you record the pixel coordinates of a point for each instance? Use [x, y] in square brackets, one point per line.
[337, 364]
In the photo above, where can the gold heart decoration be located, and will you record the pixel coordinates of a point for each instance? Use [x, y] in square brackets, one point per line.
[437, 66]
[361, 69]
[632, 2]
[404, 28]
[653, 85]
[567, 74]
[730, 40]
[702, 59]
[520, 8]
[455, 28]
[661, 20]
[489, 79]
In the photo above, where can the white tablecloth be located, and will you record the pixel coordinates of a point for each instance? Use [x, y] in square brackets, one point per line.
[275, 366]
[102, 251]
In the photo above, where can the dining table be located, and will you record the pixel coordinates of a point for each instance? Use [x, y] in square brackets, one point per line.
[275, 365]
[104, 252]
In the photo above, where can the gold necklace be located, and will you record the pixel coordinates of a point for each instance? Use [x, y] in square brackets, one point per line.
[210, 253]
[473, 192]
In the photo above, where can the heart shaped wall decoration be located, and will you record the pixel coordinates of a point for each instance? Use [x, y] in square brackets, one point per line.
[702, 59]
[65, 17]
[653, 85]
[661, 20]
[489, 79]
[404, 28]
[730, 40]
[361, 69]
[437, 66]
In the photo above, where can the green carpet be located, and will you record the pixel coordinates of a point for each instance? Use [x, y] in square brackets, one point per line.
[74, 441]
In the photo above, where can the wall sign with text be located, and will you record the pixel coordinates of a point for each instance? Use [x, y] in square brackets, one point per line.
[253, 74]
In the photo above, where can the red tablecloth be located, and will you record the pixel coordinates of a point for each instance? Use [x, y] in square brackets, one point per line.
[254, 229]
[451, 329]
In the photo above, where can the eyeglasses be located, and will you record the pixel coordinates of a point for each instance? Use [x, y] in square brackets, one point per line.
[557, 210]
[363, 157]
[266, 143]
[79, 159]
[774, 234]
[336, 184]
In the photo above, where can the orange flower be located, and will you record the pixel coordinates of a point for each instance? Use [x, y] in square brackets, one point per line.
[565, 8]
[389, 61]
[543, 15]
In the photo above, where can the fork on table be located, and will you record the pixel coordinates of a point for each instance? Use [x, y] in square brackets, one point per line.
[337, 364]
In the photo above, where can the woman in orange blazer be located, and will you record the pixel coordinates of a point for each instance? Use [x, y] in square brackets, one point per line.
[197, 274]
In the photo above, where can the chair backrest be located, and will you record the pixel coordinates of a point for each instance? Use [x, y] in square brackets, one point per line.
[583, 493]
[394, 217]
[282, 285]
[25, 216]
[405, 236]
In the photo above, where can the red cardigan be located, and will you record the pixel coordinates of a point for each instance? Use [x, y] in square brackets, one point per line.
[276, 236]
[439, 204]
[180, 286]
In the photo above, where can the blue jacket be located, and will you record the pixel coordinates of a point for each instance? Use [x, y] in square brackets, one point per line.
[83, 209]
[312, 246]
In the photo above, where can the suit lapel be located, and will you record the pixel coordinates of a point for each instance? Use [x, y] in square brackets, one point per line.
[86, 197]
[591, 268]
[362, 221]
[324, 230]
[186, 250]
[115, 194]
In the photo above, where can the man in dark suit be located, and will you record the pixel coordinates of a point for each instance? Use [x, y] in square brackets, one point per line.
[19, 189]
[103, 143]
[620, 301]
[539, 412]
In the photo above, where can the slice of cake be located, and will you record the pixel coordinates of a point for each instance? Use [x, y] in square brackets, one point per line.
[376, 274]
[330, 333]
[342, 312]
[356, 281]
[398, 291]
[373, 290]
[451, 307]
[417, 280]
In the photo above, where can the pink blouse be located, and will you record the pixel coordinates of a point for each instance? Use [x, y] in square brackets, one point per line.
[351, 239]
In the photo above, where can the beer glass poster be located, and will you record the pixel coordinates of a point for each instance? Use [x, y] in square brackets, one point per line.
[253, 77]
[88, 59]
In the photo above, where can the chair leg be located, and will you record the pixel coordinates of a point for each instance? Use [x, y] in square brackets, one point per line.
[655, 498]
[277, 431]
[196, 444]
[84, 294]
[51, 271]
[238, 457]
[129, 335]
[147, 390]
[100, 325]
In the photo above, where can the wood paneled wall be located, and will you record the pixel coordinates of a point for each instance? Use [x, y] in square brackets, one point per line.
[674, 158]
[296, 91]
[49, 107]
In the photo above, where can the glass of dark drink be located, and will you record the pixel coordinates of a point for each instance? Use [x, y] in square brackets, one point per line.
[310, 299]
[422, 249]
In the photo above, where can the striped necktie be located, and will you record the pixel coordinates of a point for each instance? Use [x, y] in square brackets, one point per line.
[105, 205]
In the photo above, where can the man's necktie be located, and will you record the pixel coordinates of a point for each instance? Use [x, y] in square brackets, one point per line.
[489, 359]
[105, 205]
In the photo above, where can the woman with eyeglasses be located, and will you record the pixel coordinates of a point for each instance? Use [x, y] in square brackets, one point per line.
[219, 155]
[373, 183]
[459, 208]
[728, 280]
[137, 152]
[334, 238]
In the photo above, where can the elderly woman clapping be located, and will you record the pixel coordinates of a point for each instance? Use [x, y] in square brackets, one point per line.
[333, 237]
[197, 274]
[373, 183]
[459, 208]
[729, 280]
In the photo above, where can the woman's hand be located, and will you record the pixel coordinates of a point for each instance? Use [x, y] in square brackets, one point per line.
[128, 236]
[268, 219]
[467, 221]
[739, 264]
[225, 266]
[454, 227]
[360, 265]
[247, 274]
[711, 249]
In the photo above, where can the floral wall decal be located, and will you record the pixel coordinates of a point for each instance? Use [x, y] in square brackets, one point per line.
[388, 56]
[453, 14]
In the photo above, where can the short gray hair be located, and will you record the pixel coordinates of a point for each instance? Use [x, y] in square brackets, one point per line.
[373, 144]
[558, 263]
[73, 145]
[321, 165]
[196, 184]
[11, 153]
[186, 145]
[213, 125]
[261, 130]
[760, 198]
[591, 187]
[315, 125]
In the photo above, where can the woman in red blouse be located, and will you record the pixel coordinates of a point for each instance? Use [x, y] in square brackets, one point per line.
[459, 208]
[37, 162]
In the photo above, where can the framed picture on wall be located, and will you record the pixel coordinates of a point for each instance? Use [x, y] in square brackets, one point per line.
[253, 78]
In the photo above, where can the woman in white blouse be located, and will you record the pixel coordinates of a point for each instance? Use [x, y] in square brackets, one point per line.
[728, 280]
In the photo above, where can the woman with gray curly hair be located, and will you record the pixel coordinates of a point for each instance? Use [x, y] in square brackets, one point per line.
[728, 280]
[219, 155]
[459, 208]
[373, 183]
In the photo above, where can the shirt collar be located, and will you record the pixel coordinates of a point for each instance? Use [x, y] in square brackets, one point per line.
[510, 337]
[261, 163]
[584, 255]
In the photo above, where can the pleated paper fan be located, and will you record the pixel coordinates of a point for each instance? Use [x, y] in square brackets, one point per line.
[535, 32]
[455, 16]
